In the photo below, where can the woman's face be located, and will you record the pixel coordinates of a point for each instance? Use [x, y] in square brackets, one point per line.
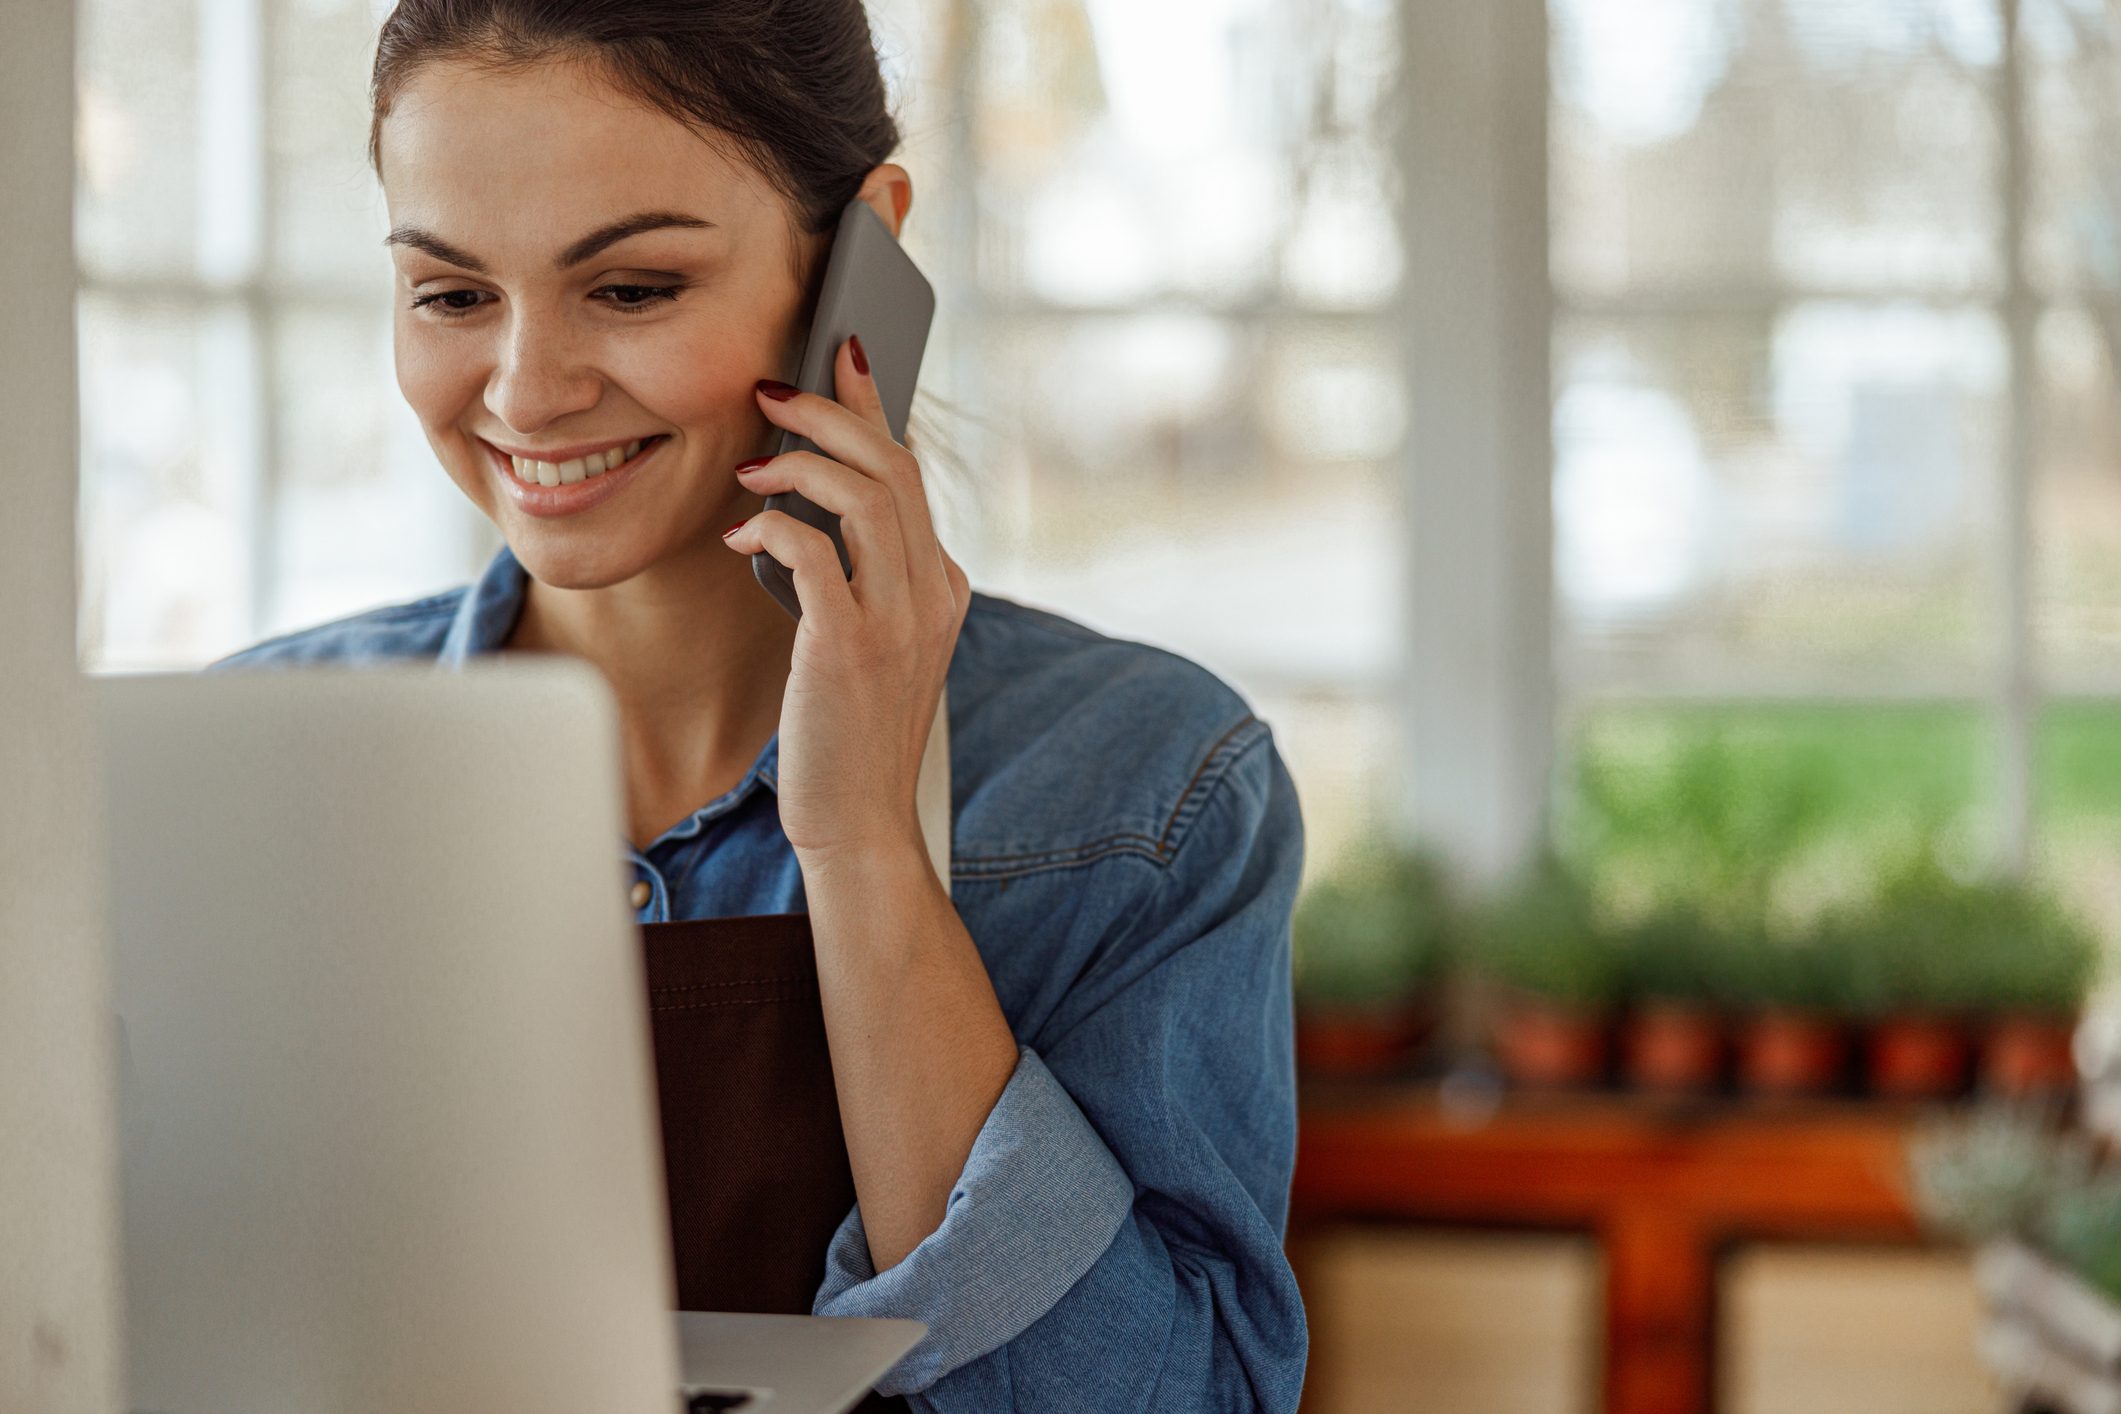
[492, 181]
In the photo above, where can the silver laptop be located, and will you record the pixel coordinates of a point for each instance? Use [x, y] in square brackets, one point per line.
[386, 1111]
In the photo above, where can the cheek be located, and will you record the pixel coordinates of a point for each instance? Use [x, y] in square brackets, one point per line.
[434, 379]
[688, 377]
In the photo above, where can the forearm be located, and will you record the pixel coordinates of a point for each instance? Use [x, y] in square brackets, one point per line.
[920, 1048]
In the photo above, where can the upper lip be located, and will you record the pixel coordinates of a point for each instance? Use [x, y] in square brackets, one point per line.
[556, 455]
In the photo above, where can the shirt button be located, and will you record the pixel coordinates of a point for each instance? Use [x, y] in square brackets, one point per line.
[641, 893]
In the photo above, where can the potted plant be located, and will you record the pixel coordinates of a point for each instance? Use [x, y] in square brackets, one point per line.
[1792, 990]
[1673, 1035]
[1542, 946]
[1367, 945]
[2040, 973]
[1920, 954]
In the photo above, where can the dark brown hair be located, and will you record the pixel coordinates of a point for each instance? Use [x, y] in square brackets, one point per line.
[794, 84]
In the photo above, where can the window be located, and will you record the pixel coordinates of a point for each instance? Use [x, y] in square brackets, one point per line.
[1837, 312]
[247, 464]
[1836, 422]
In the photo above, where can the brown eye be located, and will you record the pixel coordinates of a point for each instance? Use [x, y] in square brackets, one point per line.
[639, 297]
[448, 311]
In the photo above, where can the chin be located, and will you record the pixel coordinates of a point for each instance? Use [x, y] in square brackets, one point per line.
[566, 562]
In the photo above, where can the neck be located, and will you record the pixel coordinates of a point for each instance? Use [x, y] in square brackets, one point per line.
[696, 653]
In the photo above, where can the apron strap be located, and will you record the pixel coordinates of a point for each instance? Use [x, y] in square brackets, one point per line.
[931, 794]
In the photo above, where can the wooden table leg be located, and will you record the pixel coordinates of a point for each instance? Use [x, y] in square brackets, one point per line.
[1659, 1319]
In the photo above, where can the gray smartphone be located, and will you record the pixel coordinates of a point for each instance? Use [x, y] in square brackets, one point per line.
[871, 287]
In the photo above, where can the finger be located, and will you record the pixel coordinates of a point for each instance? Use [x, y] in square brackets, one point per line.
[846, 435]
[820, 585]
[868, 512]
[820, 419]
[854, 383]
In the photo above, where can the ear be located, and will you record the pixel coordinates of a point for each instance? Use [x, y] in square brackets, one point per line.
[889, 191]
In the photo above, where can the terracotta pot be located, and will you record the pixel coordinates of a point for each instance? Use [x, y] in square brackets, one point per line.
[1359, 1041]
[1550, 1047]
[1918, 1057]
[2023, 1056]
[1791, 1053]
[1674, 1048]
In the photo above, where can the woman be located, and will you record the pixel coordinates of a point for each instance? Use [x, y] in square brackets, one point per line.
[1062, 1086]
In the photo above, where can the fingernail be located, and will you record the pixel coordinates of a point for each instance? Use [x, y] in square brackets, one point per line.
[775, 388]
[732, 530]
[753, 465]
[861, 360]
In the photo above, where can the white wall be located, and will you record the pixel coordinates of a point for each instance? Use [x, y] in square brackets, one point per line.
[59, 1310]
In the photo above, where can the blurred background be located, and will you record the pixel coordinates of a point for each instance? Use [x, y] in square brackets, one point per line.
[1656, 464]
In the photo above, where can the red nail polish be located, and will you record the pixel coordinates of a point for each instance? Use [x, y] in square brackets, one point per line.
[861, 360]
[754, 464]
[775, 388]
[732, 530]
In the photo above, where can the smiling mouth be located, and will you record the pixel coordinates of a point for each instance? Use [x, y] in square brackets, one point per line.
[532, 472]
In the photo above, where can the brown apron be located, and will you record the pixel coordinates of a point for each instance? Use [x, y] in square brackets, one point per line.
[753, 1152]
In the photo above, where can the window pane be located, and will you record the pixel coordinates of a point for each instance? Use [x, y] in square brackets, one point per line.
[1759, 143]
[363, 515]
[2073, 86]
[328, 212]
[1221, 151]
[1225, 488]
[166, 496]
[136, 207]
[1745, 501]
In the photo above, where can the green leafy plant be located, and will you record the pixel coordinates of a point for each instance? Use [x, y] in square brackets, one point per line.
[1373, 933]
[1711, 827]
[1678, 954]
[1932, 942]
[1788, 970]
[1543, 937]
[2046, 965]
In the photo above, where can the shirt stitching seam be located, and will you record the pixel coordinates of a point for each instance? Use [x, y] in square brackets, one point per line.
[1227, 749]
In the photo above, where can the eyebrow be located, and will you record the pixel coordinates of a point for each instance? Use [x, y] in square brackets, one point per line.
[575, 254]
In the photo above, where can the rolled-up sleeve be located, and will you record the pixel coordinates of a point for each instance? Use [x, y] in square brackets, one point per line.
[1114, 1240]
[1039, 1200]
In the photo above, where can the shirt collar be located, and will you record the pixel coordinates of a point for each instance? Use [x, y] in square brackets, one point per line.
[487, 615]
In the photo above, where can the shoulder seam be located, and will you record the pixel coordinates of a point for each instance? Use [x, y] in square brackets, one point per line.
[1214, 768]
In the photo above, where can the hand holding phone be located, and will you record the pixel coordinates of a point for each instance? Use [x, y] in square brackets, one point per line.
[871, 287]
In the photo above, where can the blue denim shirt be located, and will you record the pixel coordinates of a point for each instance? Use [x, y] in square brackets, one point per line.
[1126, 846]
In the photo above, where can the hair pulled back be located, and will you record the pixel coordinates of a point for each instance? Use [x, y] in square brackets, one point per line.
[795, 84]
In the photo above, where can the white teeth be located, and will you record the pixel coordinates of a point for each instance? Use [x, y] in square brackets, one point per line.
[537, 473]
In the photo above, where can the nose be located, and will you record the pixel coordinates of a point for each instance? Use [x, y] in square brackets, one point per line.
[539, 375]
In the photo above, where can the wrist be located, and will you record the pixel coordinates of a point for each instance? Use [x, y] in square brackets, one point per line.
[880, 858]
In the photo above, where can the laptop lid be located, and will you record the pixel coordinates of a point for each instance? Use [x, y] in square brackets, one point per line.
[386, 1112]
